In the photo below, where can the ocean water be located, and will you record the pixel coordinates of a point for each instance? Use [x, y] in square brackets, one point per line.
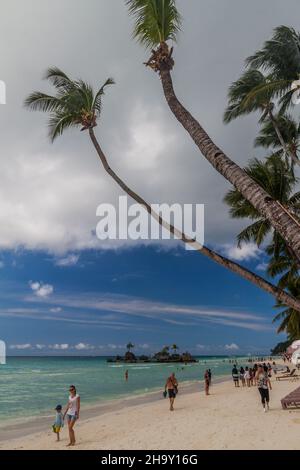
[33, 386]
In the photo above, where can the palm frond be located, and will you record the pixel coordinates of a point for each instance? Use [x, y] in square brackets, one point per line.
[58, 123]
[58, 79]
[280, 55]
[256, 232]
[38, 101]
[155, 21]
[97, 104]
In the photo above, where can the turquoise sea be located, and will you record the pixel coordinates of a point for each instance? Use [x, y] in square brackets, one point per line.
[33, 386]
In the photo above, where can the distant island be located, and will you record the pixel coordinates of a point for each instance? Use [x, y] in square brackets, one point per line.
[169, 354]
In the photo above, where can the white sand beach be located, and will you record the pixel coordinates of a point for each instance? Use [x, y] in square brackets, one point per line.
[227, 419]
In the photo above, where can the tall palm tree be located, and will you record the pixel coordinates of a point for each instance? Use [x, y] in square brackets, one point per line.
[290, 321]
[251, 93]
[175, 348]
[158, 22]
[280, 58]
[273, 175]
[76, 105]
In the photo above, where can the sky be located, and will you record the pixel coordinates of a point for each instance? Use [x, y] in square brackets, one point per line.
[63, 291]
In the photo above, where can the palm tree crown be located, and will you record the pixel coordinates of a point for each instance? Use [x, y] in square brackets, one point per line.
[280, 58]
[248, 94]
[75, 103]
[156, 21]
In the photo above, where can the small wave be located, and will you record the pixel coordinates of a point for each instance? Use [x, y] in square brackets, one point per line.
[140, 368]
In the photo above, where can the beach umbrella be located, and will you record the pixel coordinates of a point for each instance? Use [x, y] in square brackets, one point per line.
[296, 357]
[295, 344]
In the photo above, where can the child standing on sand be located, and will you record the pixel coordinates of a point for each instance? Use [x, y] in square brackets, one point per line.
[59, 421]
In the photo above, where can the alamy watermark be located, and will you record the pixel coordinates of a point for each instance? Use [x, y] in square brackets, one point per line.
[2, 353]
[2, 92]
[133, 222]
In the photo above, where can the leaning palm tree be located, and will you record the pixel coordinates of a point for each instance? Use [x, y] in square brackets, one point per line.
[251, 93]
[273, 175]
[157, 22]
[76, 105]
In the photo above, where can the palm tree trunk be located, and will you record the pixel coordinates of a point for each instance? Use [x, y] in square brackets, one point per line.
[280, 219]
[279, 294]
[281, 139]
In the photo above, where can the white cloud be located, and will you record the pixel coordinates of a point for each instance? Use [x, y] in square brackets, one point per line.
[40, 346]
[40, 289]
[70, 260]
[20, 347]
[58, 347]
[262, 267]
[56, 310]
[116, 346]
[143, 346]
[84, 347]
[232, 347]
[185, 315]
[246, 252]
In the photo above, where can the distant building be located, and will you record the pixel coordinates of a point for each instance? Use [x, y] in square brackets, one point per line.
[2, 353]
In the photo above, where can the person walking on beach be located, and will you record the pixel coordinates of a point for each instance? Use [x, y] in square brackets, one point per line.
[235, 376]
[72, 413]
[264, 384]
[126, 376]
[206, 382]
[172, 388]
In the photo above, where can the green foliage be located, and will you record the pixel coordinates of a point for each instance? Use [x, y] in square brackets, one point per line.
[75, 103]
[281, 347]
[156, 21]
[290, 318]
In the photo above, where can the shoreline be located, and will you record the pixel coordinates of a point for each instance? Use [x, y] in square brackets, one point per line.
[228, 419]
[21, 427]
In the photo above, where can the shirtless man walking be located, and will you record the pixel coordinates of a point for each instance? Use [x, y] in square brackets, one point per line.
[171, 386]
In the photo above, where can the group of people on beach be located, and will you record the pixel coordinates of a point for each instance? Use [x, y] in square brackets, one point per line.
[258, 376]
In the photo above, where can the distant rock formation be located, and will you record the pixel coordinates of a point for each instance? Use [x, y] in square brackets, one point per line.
[162, 356]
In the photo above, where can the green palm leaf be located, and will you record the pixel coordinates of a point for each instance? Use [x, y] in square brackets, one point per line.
[156, 21]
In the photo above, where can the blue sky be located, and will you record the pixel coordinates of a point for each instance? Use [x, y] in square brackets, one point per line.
[94, 302]
[62, 290]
